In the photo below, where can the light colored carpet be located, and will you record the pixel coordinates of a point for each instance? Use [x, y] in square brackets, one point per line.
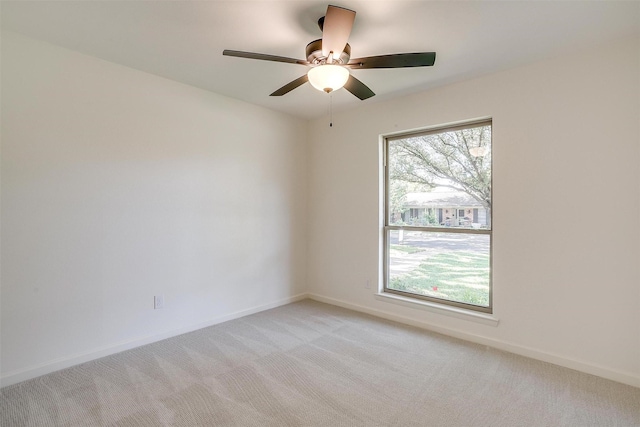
[312, 364]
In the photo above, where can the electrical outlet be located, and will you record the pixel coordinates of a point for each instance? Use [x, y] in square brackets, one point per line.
[367, 284]
[158, 302]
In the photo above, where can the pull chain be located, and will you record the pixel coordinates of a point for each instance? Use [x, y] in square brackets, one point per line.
[330, 109]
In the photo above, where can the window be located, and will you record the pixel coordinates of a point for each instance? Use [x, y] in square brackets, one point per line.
[437, 228]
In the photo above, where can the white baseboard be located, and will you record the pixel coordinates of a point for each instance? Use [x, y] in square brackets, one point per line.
[15, 377]
[589, 368]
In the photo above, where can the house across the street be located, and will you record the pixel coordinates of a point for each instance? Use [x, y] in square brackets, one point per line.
[443, 206]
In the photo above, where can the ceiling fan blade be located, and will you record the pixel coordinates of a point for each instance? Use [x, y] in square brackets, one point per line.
[291, 86]
[336, 29]
[358, 88]
[264, 57]
[398, 60]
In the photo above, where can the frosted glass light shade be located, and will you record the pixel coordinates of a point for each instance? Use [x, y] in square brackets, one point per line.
[328, 77]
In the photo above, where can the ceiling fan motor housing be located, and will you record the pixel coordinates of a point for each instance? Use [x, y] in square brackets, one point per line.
[315, 57]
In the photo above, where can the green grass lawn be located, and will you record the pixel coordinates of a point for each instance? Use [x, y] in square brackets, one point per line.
[455, 276]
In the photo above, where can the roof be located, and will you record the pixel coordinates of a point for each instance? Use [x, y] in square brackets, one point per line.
[441, 197]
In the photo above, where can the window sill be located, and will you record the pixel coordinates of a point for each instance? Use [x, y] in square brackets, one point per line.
[456, 312]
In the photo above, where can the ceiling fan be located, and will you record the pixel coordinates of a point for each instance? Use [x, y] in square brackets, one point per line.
[330, 58]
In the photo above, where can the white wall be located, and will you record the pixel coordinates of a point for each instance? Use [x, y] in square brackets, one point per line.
[117, 186]
[566, 149]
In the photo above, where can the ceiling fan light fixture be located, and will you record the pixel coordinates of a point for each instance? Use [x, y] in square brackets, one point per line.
[328, 77]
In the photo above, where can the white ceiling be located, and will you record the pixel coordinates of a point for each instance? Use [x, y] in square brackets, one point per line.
[184, 40]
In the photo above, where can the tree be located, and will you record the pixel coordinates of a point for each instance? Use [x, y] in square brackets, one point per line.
[458, 159]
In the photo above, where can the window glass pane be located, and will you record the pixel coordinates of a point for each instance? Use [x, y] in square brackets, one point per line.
[449, 266]
[441, 179]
